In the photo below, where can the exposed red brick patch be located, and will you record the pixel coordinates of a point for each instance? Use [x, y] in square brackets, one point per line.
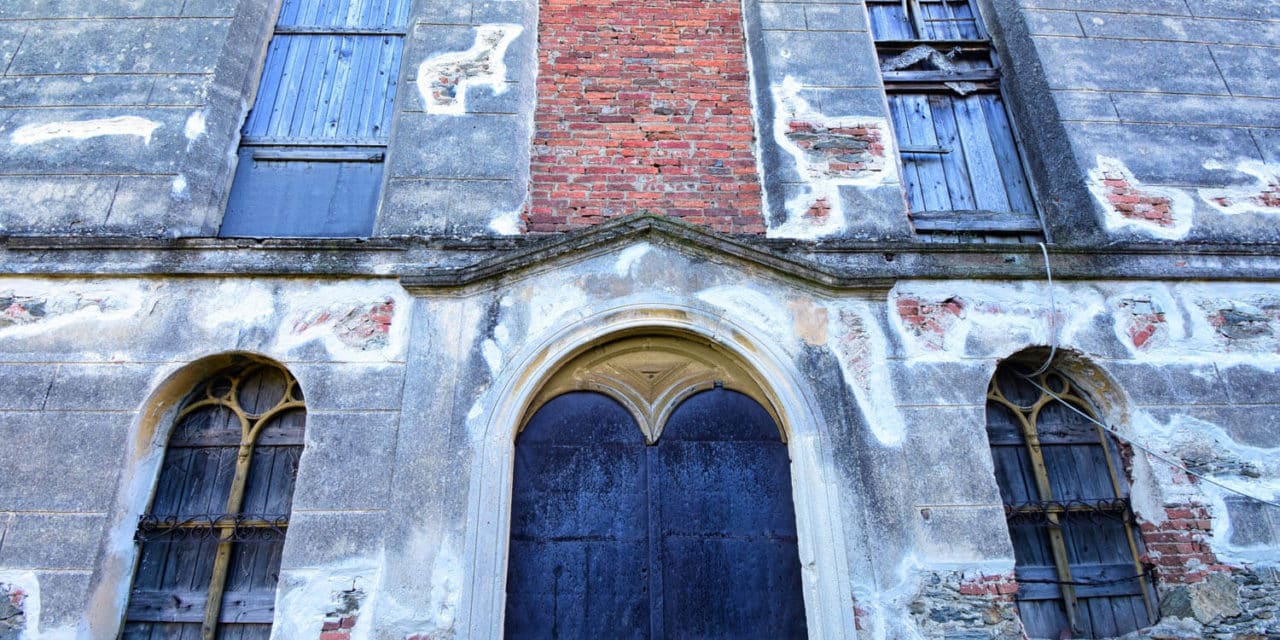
[1146, 321]
[362, 327]
[1269, 197]
[1178, 547]
[1134, 203]
[930, 320]
[845, 151]
[643, 105]
[999, 585]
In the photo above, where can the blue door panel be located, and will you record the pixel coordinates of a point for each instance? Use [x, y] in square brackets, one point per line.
[579, 530]
[729, 560]
[691, 538]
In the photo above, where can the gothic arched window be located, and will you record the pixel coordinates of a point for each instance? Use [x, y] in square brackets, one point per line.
[210, 543]
[1066, 496]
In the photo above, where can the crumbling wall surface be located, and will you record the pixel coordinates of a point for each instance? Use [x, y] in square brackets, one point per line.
[826, 150]
[1186, 374]
[119, 118]
[458, 161]
[92, 368]
[1175, 100]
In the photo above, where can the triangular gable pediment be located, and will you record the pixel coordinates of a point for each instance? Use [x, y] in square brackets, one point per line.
[618, 235]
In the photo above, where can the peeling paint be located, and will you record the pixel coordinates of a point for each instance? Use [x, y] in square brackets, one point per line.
[311, 598]
[85, 129]
[21, 591]
[829, 152]
[29, 307]
[179, 187]
[195, 126]
[1261, 197]
[628, 258]
[861, 348]
[752, 307]
[1127, 204]
[444, 79]
[507, 223]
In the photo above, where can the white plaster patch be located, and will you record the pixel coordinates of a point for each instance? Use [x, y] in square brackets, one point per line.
[306, 597]
[179, 187]
[237, 305]
[1116, 189]
[492, 356]
[363, 321]
[548, 308]
[1261, 197]
[85, 129]
[29, 584]
[861, 348]
[749, 306]
[997, 318]
[1208, 449]
[444, 79]
[446, 586]
[195, 126]
[818, 212]
[30, 307]
[506, 223]
[628, 258]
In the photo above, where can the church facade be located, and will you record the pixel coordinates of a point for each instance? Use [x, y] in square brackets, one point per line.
[410, 319]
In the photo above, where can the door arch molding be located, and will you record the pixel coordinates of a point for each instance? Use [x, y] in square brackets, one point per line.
[515, 390]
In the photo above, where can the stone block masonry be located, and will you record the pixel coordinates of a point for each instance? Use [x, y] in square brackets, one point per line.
[643, 106]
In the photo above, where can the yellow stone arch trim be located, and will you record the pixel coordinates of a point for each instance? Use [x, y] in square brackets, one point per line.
[650, 375]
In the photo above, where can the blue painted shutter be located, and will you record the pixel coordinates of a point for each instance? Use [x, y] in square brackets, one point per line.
[962, 169]
[312, 148]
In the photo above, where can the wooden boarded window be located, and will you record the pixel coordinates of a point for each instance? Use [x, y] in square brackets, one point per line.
[1066, 497]
[312, 149]
[961, 165]
[210, 543]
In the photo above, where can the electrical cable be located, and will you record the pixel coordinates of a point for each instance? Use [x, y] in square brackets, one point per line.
[1159, 456]
[1053, 318]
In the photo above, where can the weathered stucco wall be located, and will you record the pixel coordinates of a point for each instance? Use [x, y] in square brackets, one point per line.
[399, 518]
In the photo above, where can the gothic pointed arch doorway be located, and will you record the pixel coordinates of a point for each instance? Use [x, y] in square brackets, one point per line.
[652, 499]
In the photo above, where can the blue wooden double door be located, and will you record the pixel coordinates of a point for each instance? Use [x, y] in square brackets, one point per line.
[691, 537]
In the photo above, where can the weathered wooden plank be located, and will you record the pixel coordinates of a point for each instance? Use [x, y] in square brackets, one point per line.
[188, 606]
[976, 221]
[959, 187]
[889, 22]
[1113, 579]
[1006, 149]
[920, 129]
[980, 156]
[910, 172]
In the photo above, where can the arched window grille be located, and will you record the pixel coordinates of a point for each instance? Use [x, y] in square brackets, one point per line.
[210, 543]
[1066, 497]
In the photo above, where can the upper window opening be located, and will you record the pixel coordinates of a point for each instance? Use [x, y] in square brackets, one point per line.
[211, 541]
[962, 168]
[1077, 555]
[312, 149]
